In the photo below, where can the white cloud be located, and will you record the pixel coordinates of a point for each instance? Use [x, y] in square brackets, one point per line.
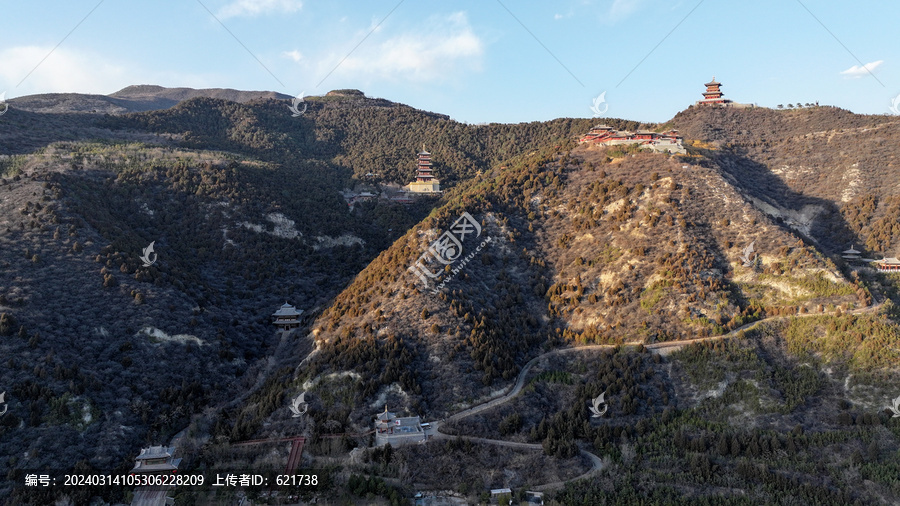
[621, 9]
[855, 72]
[72, 71]
[447, 48]
[256, 7]
[608, 11]
[63, 71]
[293, 55]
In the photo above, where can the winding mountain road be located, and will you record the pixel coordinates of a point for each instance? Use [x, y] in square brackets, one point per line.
[597, 463]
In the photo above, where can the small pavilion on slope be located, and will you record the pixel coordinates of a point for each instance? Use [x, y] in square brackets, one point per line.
[287, 317]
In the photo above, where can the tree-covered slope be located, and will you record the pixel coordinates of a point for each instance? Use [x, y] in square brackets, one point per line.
[585, 246]
[365, 136]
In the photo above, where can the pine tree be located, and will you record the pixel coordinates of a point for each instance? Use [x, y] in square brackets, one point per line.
[722, 446]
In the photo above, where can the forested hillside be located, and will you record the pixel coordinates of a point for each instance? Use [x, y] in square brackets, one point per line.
[242, 203]
[588, 246]
[610, 245]
[538, 245]
[358, 134]
[826, 172]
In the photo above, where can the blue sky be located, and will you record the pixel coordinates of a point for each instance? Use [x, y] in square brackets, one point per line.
[478, 61]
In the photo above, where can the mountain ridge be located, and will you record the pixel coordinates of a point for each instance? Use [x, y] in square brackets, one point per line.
[134, 98]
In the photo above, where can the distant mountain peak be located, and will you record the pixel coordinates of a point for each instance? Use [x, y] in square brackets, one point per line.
[137, 88]
[135, 98]
[346, 93]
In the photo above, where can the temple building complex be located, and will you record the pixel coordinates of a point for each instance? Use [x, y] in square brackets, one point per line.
[669, 141]
[397, 430]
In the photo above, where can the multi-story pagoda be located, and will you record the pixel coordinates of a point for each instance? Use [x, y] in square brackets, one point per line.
[425, 181]
[423, 168]
[713, 95]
